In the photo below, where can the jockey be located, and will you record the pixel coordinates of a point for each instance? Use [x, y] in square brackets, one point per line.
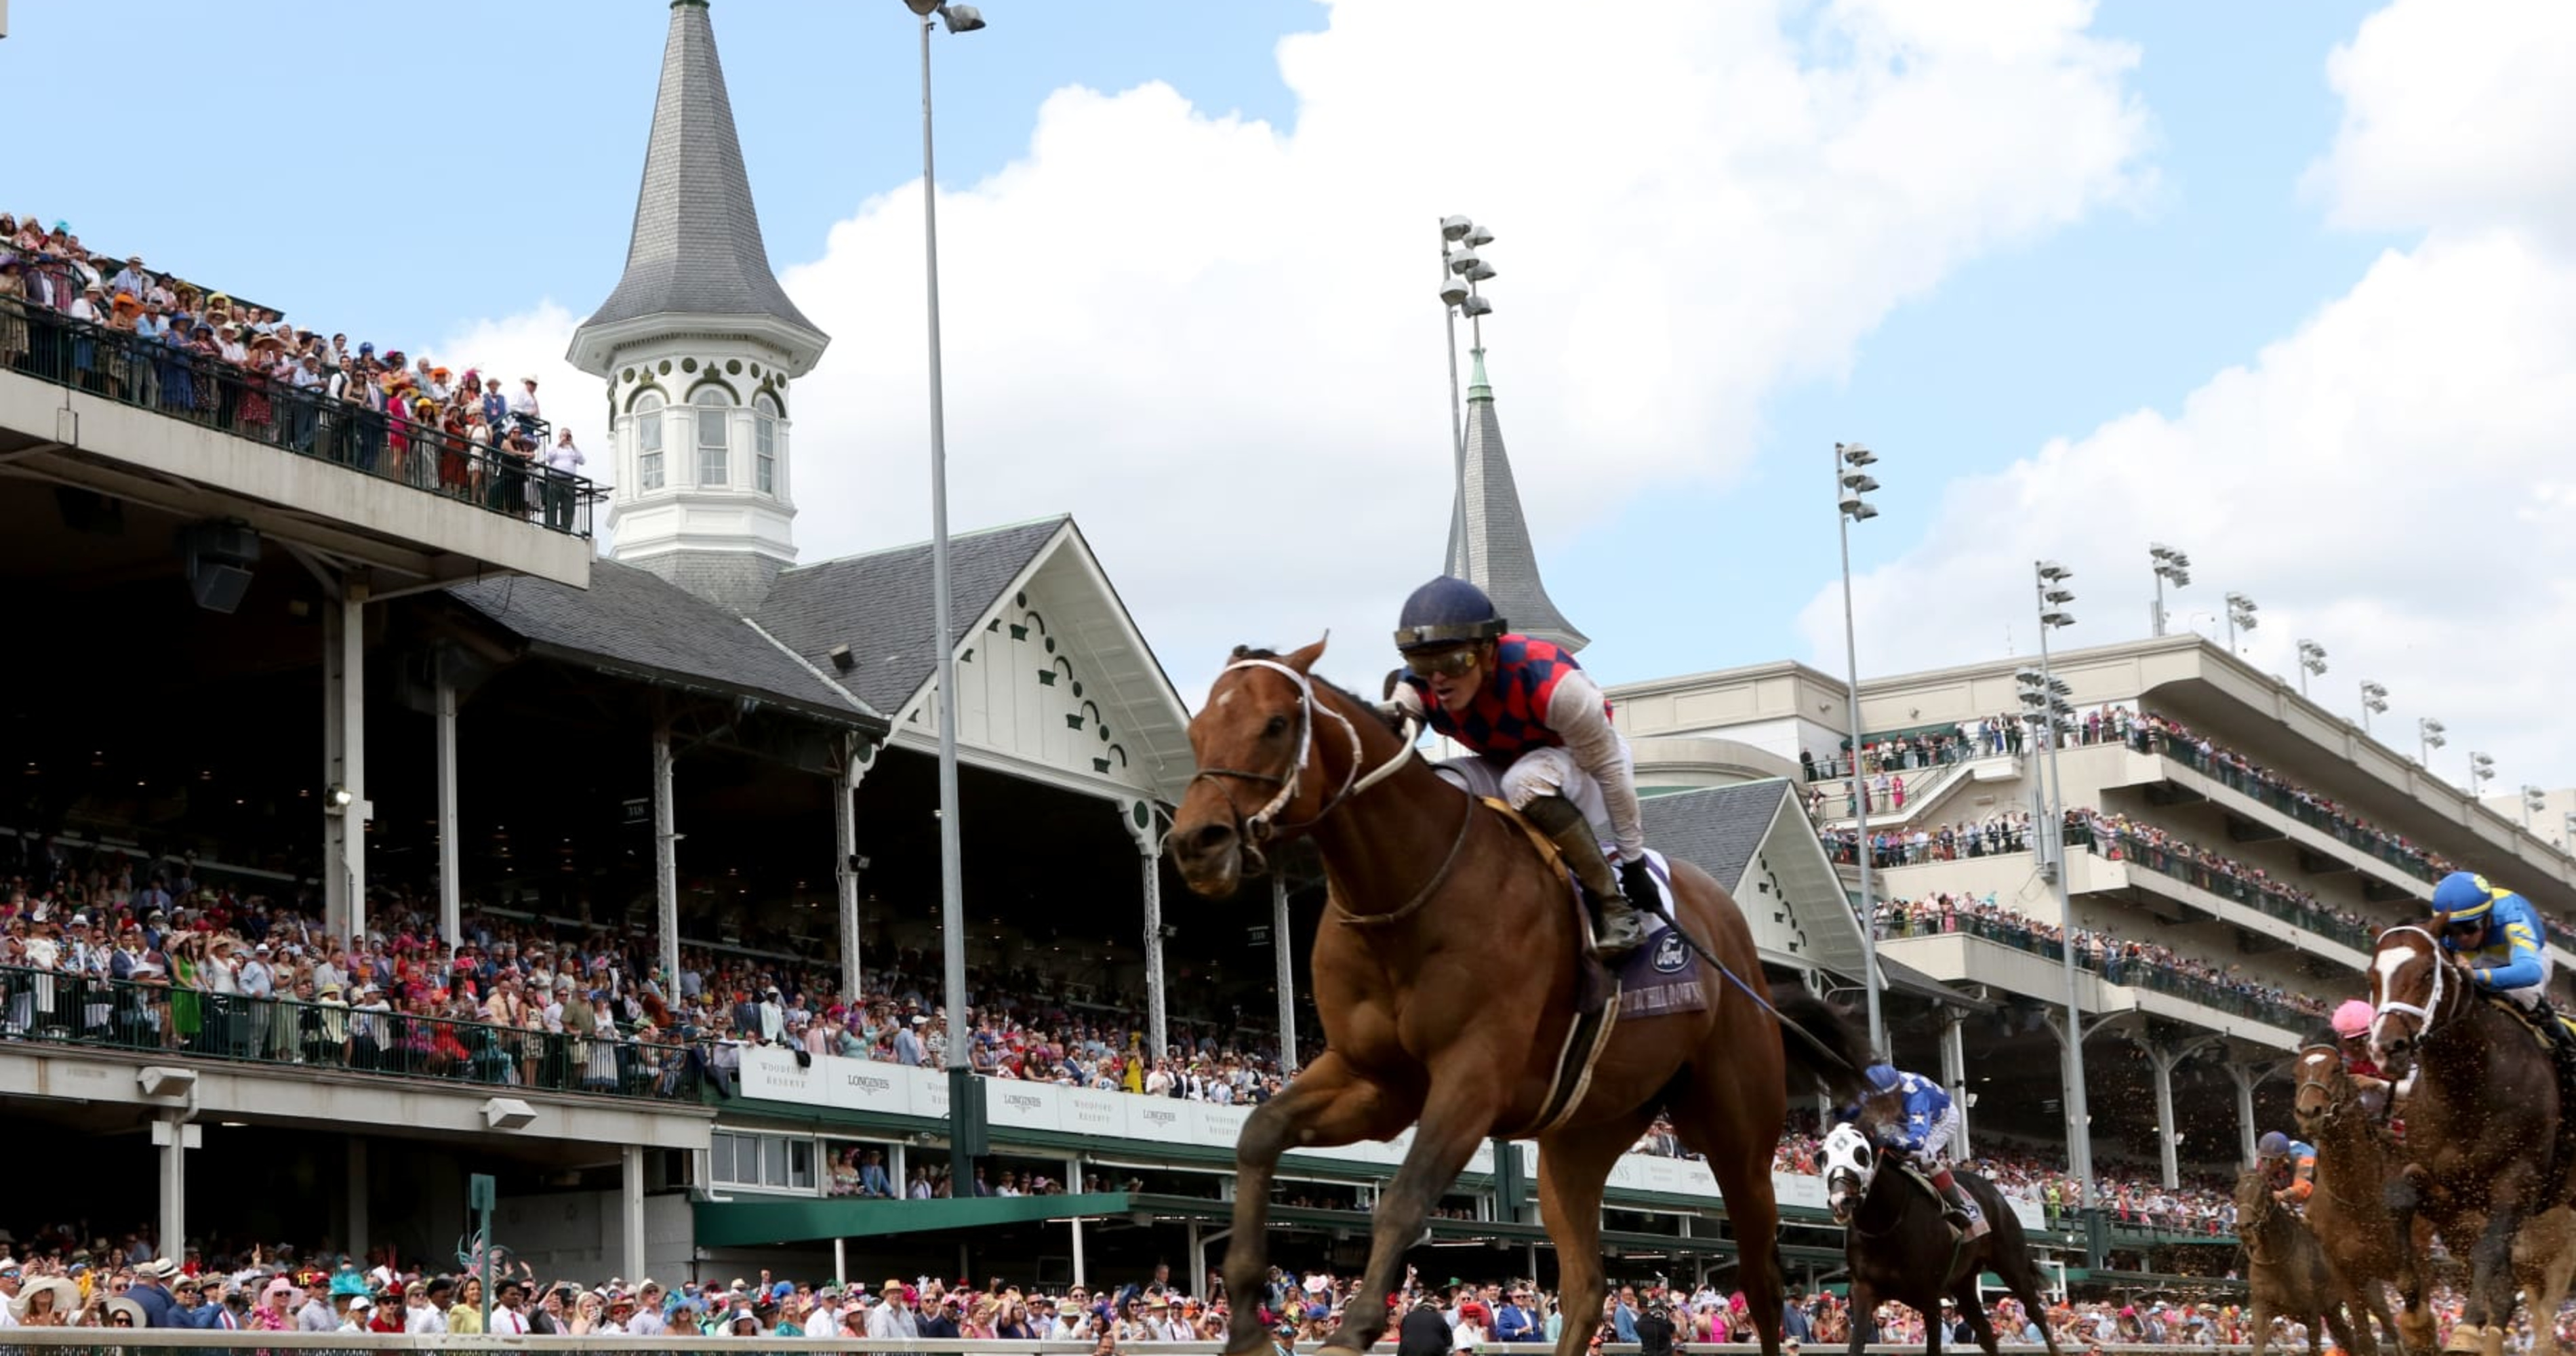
[2352, 1037]
[1931, 1122]
[2291, 1164]
[2497, 935]
[1542, 739]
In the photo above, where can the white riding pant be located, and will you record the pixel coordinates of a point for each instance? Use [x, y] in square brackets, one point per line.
[1537, 772]
[1935, 1154]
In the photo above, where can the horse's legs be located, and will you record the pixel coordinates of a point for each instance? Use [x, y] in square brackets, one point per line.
[1862, 1303]
[1741, 1162]
[2404, 1196]
[1325, 1105]
[1574, 1163]
[2331, 1318]
[1459, 1115]
[2490, 1299]
[2261, 1322]
[1972, 1307]
[2022, 1280]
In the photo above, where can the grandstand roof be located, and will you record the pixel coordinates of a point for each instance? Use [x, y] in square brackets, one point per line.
[879, 605]
[1716, 828]
[631, 621]
[696, 249]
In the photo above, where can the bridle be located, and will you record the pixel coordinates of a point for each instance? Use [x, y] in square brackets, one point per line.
[2424, 1013]
[1260, 826]
[2324, 1083]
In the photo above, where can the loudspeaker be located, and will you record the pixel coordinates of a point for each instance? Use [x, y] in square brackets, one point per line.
[220, 556]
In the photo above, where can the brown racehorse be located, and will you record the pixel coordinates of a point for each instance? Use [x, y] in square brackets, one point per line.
[2287, 1272]
[1444, 972]
[2481, 1122]
[2349, 1212]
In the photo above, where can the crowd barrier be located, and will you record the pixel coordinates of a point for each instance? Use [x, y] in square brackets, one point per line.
[136, 1342]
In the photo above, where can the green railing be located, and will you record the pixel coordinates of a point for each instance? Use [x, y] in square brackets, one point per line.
[2118, 969]
[2137, 851]
[143, 372]
[50, 1008]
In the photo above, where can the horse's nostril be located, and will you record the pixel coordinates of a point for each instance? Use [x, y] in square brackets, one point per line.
[1209, 838]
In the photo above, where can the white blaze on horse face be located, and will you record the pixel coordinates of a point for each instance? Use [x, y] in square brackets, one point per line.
[2385, 968]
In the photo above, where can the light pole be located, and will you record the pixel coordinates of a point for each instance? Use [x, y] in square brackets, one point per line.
[2567, 832]
[2428, 737]
[2312, 659]
[2173, 567]
[1457, 296]
[1851, 482]
[2534, 800]
[965, 1107]
[2374, 697]
[2049, 584]
[2481, 772]
[2240, 617]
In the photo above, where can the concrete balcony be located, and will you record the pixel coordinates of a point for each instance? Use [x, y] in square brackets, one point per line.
[312, 474]
[2033, 972]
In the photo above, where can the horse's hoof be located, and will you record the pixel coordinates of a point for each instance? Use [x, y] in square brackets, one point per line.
[2466, 1340]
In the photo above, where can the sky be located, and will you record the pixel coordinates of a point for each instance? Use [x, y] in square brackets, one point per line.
[2293, 291]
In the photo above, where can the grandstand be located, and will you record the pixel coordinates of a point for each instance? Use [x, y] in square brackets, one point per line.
[282, 976]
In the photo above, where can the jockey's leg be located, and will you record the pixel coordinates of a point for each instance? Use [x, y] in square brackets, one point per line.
[1963, 1212]
[1547, 788]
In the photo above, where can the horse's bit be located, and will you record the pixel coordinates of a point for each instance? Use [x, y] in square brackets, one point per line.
[1258, 827]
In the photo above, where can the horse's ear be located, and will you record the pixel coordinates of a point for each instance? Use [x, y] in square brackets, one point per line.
[1303, 658]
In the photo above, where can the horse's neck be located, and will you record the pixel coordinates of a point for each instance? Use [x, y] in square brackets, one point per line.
[1384, 843]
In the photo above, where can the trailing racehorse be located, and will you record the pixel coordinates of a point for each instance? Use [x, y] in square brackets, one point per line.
[2350, 1217]
[1445, 975]
[2482, 1123]
[2349, 1211]
[2288, 1275]
[1897, 1246]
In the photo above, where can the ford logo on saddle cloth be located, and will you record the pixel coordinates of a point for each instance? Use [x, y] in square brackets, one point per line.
[1672, 956]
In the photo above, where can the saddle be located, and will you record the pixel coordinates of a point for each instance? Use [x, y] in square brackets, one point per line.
[2560, 1047]
[1660, 978]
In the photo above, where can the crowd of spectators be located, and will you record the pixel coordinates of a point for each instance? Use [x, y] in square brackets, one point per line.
[128, 332]
[1990, 835]
[2117, 959]
[2120, 838]
[98, 946]
[52, 1279]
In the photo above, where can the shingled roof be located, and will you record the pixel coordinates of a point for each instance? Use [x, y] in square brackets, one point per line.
[696, 249]
[1717, 828]
[1489, 545]
[879, 604]
[636, 623]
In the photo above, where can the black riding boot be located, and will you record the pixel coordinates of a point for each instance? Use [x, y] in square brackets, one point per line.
[1616, 928]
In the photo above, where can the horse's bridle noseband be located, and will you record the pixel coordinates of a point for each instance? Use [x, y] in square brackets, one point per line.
[1259, 826]
[2432, 1005]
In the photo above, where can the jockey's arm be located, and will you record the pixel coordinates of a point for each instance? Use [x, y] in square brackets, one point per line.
[2522, 940]
[2303, 1181]
[1579, 715]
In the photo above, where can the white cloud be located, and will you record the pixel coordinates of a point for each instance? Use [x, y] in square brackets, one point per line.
[2390, 480]
[1216, 341]
[2456, 111]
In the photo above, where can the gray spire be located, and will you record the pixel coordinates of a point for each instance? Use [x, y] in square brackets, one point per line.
[1489, 543]
[696, 250]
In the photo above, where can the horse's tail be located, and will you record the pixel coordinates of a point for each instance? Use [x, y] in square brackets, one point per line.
[1823, 1044]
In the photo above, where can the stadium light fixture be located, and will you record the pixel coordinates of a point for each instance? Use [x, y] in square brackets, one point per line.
[1851, 483]
[2481, 771]
[2047, 696]
[2534, 800]
[2374, 698]
[2240, 617]
[2171, 566]
[2312, 659]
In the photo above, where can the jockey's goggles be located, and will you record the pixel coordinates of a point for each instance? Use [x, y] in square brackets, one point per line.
[1449, 662]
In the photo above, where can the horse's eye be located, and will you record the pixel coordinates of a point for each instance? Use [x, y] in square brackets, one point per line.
[1278, 726]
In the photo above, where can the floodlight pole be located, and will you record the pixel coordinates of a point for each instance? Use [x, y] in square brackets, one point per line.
[962, 1090]
[2079, 1138]
[1859, 785]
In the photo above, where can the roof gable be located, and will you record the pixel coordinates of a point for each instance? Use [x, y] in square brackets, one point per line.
[634, 621]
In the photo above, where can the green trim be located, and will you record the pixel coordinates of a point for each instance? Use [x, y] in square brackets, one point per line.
[754, 1223]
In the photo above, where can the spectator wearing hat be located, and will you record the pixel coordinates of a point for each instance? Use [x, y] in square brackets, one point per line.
[151, 1290]
[893, 1319]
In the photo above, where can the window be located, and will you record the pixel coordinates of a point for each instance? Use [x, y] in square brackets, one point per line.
[764, 445]
[713, 412]
[763, 1162]
[648, 441]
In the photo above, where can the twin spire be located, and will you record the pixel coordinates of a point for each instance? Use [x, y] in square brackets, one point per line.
[1489, 540]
